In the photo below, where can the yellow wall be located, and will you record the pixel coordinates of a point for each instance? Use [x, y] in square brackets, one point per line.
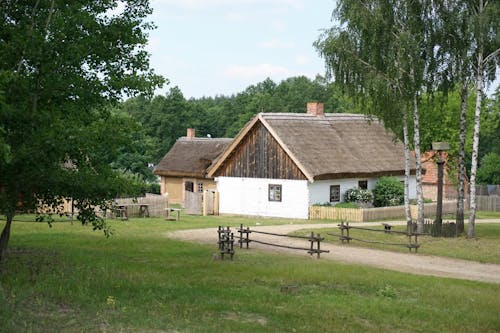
[174, 186]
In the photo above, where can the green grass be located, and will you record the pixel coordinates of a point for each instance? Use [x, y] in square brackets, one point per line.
[70, 279]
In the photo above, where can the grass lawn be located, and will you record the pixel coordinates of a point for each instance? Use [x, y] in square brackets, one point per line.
[69, 278]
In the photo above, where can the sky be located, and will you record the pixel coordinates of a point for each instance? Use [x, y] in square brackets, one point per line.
[220, 47]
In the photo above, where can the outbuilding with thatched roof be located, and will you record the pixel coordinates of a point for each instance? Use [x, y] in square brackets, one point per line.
[185, 165]
[282, 163]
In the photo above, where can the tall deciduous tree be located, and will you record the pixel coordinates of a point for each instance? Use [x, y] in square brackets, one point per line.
[484, 28]
[382, 51]
[61, 64]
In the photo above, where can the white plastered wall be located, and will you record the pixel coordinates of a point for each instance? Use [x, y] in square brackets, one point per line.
[319, 191]
[250, 196]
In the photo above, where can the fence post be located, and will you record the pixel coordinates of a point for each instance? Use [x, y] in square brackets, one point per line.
[348, 236]
[226, 242]
[318, 239]
[219, 233]
[311, 240]
[241, 236]
[342, 231]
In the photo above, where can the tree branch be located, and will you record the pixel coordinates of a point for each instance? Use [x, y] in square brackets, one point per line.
[491, 56]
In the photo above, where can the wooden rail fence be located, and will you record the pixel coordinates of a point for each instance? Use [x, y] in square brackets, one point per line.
[345, 235]
[226, 240]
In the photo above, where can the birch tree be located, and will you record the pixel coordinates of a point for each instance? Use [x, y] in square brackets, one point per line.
[382, 51]
[484, 29]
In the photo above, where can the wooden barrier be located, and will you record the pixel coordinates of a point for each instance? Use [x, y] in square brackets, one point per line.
[226, 242]
[379, 213]
[156, 205]
[244, 238]
[314, 240]
[489, 203]
[346, 237]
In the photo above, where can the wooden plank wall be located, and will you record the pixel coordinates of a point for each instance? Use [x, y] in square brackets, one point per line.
[488, 203]
[259, 155]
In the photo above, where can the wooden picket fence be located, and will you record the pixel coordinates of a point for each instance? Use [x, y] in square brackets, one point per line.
[379, 213]
[489, 203]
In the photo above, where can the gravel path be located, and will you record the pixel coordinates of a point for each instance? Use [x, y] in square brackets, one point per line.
[403, 262]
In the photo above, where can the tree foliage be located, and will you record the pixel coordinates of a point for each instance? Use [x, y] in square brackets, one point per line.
[165, 118]
[388, 191]
[61, 65]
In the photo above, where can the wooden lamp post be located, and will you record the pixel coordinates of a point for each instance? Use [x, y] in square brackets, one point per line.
[439, 147]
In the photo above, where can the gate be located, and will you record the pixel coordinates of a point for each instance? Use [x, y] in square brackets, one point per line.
[197, 203]
[193, 202]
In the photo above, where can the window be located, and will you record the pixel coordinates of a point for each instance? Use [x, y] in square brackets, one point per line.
[274, 192]
[334, 193]
[363, 184]
[189, 186]
[200, 187]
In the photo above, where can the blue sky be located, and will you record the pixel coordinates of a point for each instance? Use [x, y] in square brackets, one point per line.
[220, 47]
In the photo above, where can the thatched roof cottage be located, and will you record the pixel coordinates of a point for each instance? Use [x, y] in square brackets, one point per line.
[184, 167]
[281, 163]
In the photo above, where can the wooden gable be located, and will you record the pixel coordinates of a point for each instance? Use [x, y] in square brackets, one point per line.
[259, 155]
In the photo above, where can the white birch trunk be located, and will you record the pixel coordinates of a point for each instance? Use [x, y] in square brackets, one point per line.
[475, 145]
[406, 142]
[418, 164]
[461, 159]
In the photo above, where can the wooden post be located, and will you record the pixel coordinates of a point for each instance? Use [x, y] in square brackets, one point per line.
[311, 240]
[231, 244]
[342, 231]
[241, 236]
[348, 237]
[318, 239]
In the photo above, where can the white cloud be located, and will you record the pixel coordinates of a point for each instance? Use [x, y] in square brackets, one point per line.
[302, 60]
[255, 71]
[276, 44]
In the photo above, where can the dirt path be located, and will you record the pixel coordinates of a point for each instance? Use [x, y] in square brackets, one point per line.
[403, 262]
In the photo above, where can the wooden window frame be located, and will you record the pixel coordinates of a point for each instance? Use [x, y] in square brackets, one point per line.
[273, 189]
[363, 187]
[189, 186]
[337, 187]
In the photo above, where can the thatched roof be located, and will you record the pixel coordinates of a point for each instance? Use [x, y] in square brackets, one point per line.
[335, 145]
[190, 157]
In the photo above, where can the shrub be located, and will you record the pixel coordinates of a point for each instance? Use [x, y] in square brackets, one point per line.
[414, 201]
[346, 205]
[359, 196]
[388, 192]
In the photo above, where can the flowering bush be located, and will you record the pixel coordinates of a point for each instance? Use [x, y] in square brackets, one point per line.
[358, 195]
[388, 191]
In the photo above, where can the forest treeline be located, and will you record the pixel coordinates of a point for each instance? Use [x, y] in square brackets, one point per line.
[159, 121]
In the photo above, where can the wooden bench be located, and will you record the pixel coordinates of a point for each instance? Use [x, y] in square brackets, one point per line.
[169, 214]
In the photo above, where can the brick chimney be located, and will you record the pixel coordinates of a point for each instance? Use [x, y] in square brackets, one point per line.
[316, 108]
[191, 133]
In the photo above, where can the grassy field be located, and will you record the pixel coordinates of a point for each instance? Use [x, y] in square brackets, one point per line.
[70, 279]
